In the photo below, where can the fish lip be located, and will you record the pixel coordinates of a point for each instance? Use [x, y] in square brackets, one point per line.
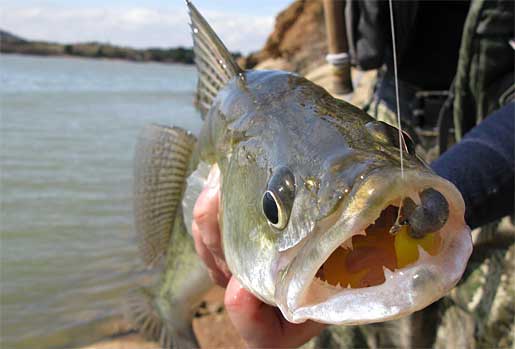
[422, 283]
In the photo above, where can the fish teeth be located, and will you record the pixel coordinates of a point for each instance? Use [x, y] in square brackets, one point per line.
[361, 232]
[348, 285]
[388, 274]
[347, 244]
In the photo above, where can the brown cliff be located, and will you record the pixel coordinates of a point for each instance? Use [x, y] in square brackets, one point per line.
[297, 42]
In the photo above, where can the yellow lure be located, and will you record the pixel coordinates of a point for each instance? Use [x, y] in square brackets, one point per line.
[406, 247]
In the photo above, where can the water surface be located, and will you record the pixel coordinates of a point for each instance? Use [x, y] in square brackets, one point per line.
[68, 129]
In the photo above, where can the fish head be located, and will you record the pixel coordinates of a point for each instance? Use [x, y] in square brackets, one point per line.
[327, 219]
[355, 268]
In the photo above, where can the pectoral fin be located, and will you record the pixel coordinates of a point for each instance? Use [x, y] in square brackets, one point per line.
[161, 164]
[142, 311]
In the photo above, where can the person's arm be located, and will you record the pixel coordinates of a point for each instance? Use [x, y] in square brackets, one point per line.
[482, 167]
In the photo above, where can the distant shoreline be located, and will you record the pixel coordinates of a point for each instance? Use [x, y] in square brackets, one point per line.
[107, 59]
[13, 44]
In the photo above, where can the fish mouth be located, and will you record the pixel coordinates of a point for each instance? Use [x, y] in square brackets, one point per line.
[355, 270]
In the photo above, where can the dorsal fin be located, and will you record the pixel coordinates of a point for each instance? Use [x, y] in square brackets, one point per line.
[215, 64]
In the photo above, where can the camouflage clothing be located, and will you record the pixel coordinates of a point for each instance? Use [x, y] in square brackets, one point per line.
[484, 78]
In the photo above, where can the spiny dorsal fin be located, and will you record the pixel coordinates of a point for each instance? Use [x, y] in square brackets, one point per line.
[160, 168]
[215, 64]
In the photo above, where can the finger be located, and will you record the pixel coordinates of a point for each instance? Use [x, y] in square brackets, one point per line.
[217, 274]
[299, 334]
[206, 230]
[262, 325]
[205, 215]
[247, 315]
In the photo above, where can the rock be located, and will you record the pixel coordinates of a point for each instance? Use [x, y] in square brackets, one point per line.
[129, 341]
[212, 325]
[6, 37]
[298, 38]
[298, 43]
[275, 64]
[363, 82]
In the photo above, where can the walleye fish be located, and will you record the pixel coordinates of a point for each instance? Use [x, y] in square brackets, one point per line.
[316, 217]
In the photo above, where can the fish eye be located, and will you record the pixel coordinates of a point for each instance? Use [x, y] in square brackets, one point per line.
[278, 198]
[386, 133]
[271, 208]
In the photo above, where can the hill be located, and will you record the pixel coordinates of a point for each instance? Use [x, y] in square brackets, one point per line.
[11, 43]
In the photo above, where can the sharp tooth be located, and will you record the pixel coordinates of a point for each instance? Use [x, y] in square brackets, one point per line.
[388, 274]
[338, 285]
[422, 254]
[348, 285]
[347, 244]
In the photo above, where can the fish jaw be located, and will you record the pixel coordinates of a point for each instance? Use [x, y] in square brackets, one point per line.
[302, 296]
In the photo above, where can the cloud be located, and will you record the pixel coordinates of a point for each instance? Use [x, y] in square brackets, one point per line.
[132, 26]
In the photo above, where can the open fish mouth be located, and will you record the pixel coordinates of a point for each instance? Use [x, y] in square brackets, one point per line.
[360, 270]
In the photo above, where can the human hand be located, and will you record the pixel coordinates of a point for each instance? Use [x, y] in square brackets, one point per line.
[259, 324]
[206, 232]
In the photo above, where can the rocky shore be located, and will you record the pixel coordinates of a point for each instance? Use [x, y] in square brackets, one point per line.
[211, 325]
[10, 43]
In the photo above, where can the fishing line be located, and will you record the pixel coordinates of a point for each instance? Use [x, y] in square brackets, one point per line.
[395, 228]
[399, 126]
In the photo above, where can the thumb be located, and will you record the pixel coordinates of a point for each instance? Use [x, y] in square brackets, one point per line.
[262, 325]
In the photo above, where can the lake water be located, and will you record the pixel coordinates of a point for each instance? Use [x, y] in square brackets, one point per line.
[68, 130]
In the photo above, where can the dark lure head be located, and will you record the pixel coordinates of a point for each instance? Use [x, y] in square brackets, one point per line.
[427, 217]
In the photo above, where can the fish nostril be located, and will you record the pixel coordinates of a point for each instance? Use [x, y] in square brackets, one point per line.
[430, 216]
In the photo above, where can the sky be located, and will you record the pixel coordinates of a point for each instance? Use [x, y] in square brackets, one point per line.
[243, 25]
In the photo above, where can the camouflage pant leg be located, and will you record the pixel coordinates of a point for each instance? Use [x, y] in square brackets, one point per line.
[479, 312]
